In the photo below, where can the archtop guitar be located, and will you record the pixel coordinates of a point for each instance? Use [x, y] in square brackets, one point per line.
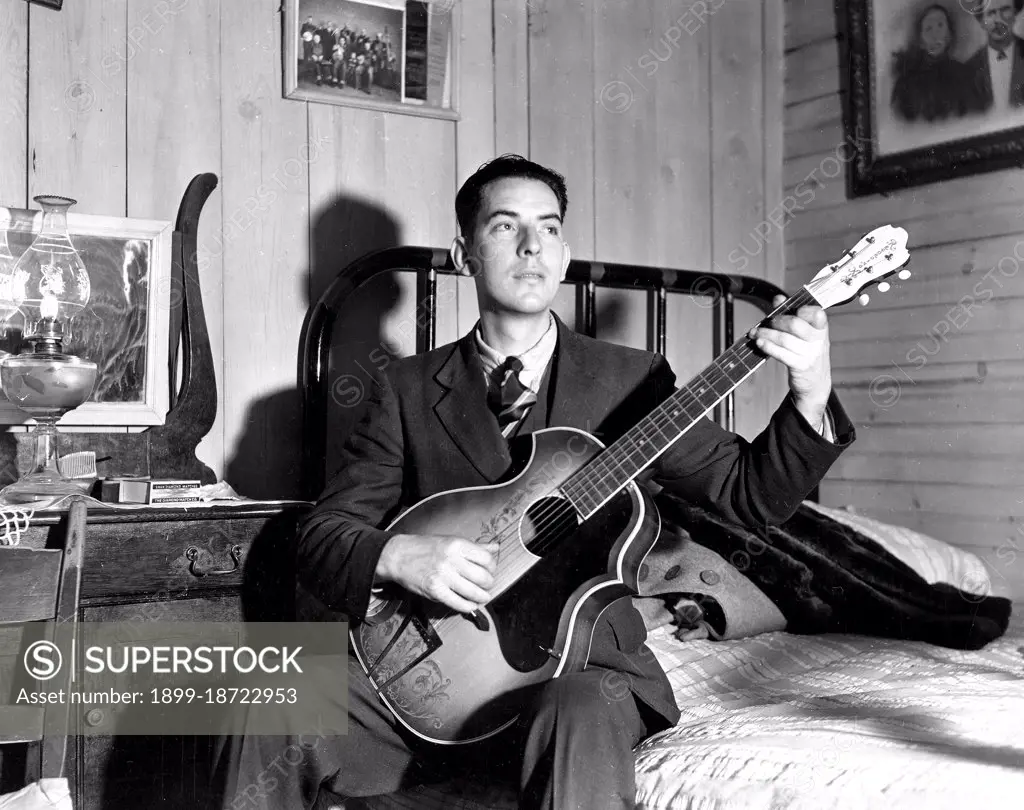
[573, 528]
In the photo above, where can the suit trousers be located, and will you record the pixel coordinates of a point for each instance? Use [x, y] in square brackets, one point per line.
[571, 748]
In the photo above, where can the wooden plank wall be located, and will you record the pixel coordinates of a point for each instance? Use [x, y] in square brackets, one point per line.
[665, 118]
[933, 385]
[661, 128]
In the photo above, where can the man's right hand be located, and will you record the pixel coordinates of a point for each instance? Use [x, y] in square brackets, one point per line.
[451, 570]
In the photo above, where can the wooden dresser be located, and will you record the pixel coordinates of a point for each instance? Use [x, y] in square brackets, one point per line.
[221, 563]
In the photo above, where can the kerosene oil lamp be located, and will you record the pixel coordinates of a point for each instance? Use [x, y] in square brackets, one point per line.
[49, 286]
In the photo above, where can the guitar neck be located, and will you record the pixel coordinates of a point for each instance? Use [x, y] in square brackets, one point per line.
[630, 455]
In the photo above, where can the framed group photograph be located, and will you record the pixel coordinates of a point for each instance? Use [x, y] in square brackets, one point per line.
[389, 55]
[125, 327]
[935, 91]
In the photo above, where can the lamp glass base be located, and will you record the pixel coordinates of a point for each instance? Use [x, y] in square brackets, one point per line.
[41, 486]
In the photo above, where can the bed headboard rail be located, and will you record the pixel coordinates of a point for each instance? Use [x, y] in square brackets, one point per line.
[427, 263]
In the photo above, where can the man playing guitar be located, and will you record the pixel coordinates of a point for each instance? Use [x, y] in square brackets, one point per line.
[442, 420]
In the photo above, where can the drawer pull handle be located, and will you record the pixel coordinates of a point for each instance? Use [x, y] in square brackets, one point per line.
[192, 554]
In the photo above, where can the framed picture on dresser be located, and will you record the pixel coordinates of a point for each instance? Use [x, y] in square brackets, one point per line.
[125, 327]
[936, 90]
[389, 55]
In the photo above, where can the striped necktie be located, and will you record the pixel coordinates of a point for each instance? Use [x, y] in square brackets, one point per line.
[513, 400]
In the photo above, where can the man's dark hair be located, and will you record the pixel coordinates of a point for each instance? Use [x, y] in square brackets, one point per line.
[980, 5]
[467, 201]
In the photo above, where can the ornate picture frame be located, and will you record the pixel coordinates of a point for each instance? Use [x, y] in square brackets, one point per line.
[388, 55]
[924, 105]
[124, 329]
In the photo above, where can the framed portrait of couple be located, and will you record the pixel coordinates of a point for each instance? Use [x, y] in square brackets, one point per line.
[935, 90]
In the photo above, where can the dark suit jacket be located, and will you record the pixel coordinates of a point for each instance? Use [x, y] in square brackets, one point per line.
[427, 429]
[981, 78]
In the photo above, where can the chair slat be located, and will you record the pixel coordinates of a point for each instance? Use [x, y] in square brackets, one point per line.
[28, 720]
[28, 584]
[57, 716]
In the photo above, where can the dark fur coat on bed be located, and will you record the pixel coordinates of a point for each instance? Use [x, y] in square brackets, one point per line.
[826, 577]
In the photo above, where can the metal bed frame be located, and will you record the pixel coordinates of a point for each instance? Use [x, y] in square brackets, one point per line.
[587, 276]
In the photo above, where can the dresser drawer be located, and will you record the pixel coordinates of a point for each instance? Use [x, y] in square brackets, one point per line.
[176, 558]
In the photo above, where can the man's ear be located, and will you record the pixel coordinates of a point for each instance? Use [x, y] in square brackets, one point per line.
[460, 254]
[565, 260]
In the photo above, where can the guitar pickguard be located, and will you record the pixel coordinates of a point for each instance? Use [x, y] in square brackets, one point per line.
[411, 640]
[526, 616]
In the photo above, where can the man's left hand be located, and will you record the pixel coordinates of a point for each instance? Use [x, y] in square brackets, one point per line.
[800, 342]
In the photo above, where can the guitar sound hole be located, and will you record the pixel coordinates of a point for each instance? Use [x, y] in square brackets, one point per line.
[546, 523]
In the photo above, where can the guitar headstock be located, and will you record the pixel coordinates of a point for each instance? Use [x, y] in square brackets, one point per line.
[875, 257]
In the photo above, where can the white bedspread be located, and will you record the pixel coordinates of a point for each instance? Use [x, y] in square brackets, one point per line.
[829, 722]
[837, 721]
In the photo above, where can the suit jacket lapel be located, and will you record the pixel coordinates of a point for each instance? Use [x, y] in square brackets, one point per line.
[574, 381]
[1017, 74]
[462, 409]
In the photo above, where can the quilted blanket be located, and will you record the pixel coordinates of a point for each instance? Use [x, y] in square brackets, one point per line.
[834, 721]
[827, 722]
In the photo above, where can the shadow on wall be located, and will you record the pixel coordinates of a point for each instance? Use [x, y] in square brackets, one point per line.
[267, 463]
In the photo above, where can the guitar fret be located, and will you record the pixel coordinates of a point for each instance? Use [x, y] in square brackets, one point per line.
[661, 431]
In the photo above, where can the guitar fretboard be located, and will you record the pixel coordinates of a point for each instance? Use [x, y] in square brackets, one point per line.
[618, 464]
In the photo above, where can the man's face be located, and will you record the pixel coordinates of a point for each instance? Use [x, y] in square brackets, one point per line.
[516, 251]
[997, 19]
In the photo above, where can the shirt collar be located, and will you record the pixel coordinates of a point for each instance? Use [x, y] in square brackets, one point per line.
[535, 359]
[993, 53]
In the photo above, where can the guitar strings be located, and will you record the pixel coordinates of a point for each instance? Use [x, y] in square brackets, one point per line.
[606, 464]
[658, 418]
[554, 522]
[603, 464]
[743, 352]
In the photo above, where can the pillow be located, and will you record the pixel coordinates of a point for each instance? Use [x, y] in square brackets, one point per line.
[677, 566]
[46, 794]
[934, 560]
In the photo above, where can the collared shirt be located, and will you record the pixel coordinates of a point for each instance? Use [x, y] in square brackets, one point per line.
[535, 359]
[1001, 72]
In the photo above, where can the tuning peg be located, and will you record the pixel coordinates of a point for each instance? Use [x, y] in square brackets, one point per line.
[883, 287]
[864, 298]
[903, 275]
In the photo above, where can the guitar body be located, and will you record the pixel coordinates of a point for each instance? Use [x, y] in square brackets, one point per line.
[451, 678]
